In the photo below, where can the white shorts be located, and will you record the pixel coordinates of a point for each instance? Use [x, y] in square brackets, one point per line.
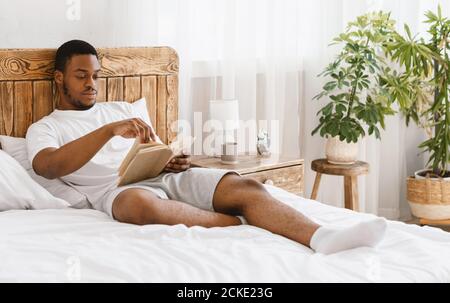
[194, 186]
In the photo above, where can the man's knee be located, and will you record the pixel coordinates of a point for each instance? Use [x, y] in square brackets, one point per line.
[234, 193]
[237, 182]
[252, 190]
[252, 184]
[136, 206]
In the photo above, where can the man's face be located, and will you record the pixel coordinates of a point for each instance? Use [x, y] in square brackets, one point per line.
[79, 82]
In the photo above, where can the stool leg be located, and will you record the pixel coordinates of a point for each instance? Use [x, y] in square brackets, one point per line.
[351, 192]
[316, 186]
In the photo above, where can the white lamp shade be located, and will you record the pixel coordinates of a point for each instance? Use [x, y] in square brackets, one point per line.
[226, 112]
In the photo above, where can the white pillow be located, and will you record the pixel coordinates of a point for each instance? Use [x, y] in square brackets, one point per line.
[16, 148]
[19, 191]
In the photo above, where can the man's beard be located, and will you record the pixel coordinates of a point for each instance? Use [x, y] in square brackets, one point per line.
[75, 102]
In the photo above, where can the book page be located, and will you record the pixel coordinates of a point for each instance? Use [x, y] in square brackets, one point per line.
[137, 146]
[147, 160]
[147, 163]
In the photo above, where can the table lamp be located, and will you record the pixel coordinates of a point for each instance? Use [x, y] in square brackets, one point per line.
[226, 113]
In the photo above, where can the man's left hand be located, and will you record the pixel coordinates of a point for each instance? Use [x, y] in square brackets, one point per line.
[179, 164]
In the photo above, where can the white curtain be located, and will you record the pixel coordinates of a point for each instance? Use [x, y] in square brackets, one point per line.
[265, 53]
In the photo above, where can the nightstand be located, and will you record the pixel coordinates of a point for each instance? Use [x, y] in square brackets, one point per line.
[281, 171]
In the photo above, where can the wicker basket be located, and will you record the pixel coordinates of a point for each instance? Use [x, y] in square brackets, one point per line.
[429, 198]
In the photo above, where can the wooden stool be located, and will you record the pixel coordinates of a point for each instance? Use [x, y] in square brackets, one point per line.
[350, 172]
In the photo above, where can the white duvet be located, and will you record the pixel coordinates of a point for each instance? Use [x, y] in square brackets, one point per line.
[87, 246]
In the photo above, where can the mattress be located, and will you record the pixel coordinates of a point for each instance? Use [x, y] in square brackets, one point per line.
[86, 245]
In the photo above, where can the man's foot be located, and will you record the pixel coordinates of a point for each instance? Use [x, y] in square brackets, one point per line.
[329, 240]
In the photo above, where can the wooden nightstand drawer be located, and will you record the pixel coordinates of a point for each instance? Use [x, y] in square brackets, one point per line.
[284, 172]
[288, 178]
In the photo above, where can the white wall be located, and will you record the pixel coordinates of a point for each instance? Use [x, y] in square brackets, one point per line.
[184, 26]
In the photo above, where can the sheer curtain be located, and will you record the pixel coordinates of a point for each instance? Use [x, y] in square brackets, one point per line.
[265, 53]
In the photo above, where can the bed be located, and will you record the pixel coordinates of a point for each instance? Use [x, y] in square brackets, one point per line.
[85, 245]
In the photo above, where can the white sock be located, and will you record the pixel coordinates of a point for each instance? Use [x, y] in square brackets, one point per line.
[329, 240]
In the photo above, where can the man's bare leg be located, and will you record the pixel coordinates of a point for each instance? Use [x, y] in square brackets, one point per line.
[243, 196]
[236, 195]
[140, 206]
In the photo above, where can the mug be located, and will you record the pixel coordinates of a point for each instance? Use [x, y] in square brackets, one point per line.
[229, 153]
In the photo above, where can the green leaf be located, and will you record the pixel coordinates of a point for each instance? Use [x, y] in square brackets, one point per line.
[431, 17]
[323, 131]
[377, 132]
[329, 86]
[328, 109]
[340, 108]
[317, 129]
[408, 31]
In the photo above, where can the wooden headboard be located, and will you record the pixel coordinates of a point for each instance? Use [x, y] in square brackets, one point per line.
[28, 92]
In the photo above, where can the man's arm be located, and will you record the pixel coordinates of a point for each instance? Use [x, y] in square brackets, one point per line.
[57, 162]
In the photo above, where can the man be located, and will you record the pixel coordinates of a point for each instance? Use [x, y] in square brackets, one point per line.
[84, 142]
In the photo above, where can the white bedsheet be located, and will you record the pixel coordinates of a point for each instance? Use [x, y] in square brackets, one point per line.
[86, 245]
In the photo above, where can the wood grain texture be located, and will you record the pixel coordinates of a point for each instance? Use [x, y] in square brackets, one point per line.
[55, 94]
[132, 88]
[161, 113]
[249, 163]
[38, 64]
[288, 178]
[102, 90]
[315, 189]
[127, 74]
[283, 171]
[115, 89]
[43, 99]
[150, 92]
[23, 107]
[351, 193]
[6, 107]
[355, 169]
[138, 61]
[350, 173]
[172, 107]
[27, 64]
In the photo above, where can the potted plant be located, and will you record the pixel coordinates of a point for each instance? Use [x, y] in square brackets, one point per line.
[422, 92]
[357, 100]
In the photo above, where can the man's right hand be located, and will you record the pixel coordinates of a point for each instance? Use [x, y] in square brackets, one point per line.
[132, 128]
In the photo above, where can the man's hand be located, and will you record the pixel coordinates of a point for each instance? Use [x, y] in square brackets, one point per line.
[132, 128]
[179, 164]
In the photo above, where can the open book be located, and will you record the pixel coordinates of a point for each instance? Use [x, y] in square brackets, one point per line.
[147, 160]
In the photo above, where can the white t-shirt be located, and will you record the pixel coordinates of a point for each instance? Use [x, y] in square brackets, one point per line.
[100, 174]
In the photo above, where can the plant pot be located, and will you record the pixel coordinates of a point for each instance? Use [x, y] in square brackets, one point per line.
[429, 198]
[421, 174]
[341, 152]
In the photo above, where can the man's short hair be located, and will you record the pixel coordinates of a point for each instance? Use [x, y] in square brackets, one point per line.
[71, 48]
